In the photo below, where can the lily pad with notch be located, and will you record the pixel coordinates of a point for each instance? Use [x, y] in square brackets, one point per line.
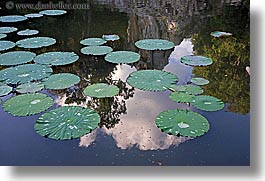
[218, 34]
[101, 90]
[93, 41]
[33, 15]
[30, 87]
[4, 90]
[16, 58]
[6, 45]
[154, 44]
[110, 37]
[61, 81]
[199, 81]
[2, 35]
[96, 50]
[181, 97]
[36, 42]
[196, 60]
[187, 89]
[53, 12]
[12, 18]
[122, 57]
[27, 32]
[6, 30]
[207, 103]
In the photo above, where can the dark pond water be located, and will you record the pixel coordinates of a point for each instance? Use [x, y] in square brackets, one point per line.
[127, 134]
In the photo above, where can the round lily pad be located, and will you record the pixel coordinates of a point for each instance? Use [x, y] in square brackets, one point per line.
[122, 57]
[101, 90]
[93, 41]
[12, 18]
[61, 81]
[53, 12]
[5, 45]
[16, 58]
[67, 122]
[110, 37]
[36, 42]
[181, 97]
[4, 90]
[33, 15]
[7, 29]
[182, 122]
[199, 81]
[195, 60]
[30, 87]
[96, 50]
[27, 32]
[218, 34]
[28, 104]
[152, 80]
[154, 44]
[24, 73]
[188, 89]
[207, 103]
[56, 58]
[3, 36]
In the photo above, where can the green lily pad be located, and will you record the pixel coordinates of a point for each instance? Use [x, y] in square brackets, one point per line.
[36, 42]
[188, 89]
[101, 90]
[181, 97]
[96, 50]
[61, 81]
[110, 37]
[7, 29]
[154, 44]
[122, 57]
[27, 32]
[152, 80]
[30, 87]
[53, 12]
[4, 90]
[28, 104]
[56, 58]
[24, 73]
[218, 34]
[5, 45]
[16, 58]
[182, 122]
[195, 60]
[67, 122]
[33, 15]
[3, 36]
[207, 103]
[93, 41]
[12, 18]
[199, 81]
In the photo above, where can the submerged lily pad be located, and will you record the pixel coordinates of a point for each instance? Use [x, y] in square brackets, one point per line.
[207, 103]
[196, 60]
[67, 122]
[12, 18]
[152, 80]
[36, 42]
[7, 29]
[93, 41]
[3, 36]
[182, 122]
[33, 15]
[4, 90]
[101, 90]
[56, 58]
[181, 97]
[96, 50]
[24, 73]
[30, 87]
[188, 89]
[154, 44]
[27, 32]
[16, 58]
[28, 104]
[110, 37]
[53, 12]
[122, 57]
[61, 81]
[5, 45]
[199, 81]
[219, 34]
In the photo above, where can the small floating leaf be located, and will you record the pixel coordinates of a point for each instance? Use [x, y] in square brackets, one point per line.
[152, 80]
[154, 44]
[207, 103]
[27, 32]
[36, 42]
[34, 15]
[5, 45]
[110, 37]
[4, 90]
[181, 97]
[122, 57]
[96, 50]
[7, 29]
[61, 81]
[194, 60]
[3, 36]
[30, 87]
[101, 90]
[199, 81]
[182, 122]
[12, 18]
[53, 12]
[188, 89]
[93, 41]
[67, 122]
[28, 104]
[16, 58]
[218, 34]
[56, 58]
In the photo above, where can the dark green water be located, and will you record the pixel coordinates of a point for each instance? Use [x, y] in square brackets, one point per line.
[127, 134]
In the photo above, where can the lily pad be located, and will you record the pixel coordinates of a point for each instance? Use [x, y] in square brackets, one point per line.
[36, 42]
[5, 45]
[96, 50]
[12, 18]
[122, 57]
[28, 104]
[188, 89]
[67, 122]
[4, 90]
[182, 122]
[181, 97]
[199, 81]
[218, 34]
[152, 80]
[53, 12]
[30, 87]
[61, 81]
[110, 37]
[33, 15]
[56, 58]
[101, 90]
[27, 32]
[154, 44]
[7, 29]
[195, 60]
[93, 41]
[24, 73]
[3, 36]
[16, 58]
[207, 103]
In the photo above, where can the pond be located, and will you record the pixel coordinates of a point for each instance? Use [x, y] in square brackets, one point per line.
[127, 134]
